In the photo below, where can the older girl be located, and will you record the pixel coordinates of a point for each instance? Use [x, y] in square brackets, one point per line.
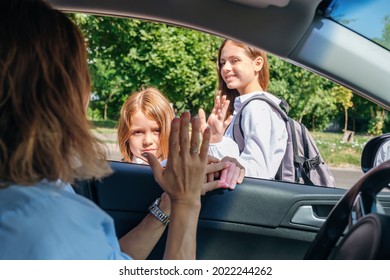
[243, 73]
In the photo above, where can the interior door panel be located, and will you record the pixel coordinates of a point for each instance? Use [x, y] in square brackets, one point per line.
[260, 219]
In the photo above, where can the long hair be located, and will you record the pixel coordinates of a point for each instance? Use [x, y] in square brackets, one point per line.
[44, 91]
[252, 53]
[156, 107]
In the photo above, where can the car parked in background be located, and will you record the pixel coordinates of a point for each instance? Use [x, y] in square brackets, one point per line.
[263, 219]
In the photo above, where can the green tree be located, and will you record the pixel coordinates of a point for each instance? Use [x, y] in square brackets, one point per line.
[127, 55]
[385, 39]
[343, 96]
[307, 94]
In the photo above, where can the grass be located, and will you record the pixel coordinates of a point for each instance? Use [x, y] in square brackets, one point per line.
[332, 149]
[337, 153]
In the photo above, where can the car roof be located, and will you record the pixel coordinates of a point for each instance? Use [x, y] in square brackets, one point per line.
[290, 29]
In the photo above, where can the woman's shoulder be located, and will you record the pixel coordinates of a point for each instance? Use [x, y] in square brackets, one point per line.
[45, 202]
[46, 221]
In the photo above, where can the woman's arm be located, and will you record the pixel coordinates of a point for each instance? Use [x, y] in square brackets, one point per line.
[183, 179]
[140, 241]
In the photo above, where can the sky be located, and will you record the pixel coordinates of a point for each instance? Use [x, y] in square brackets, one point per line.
[366, 16]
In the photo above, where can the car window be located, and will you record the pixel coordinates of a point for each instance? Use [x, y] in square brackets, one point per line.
[127, 55]
[370, 19]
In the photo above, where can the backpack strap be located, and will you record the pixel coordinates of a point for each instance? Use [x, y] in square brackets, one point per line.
[304, 141]
[238, 133]
[298, 160]
[309, 163]
[284, 105]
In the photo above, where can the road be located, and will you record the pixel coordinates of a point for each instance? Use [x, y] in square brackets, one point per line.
[346, 177]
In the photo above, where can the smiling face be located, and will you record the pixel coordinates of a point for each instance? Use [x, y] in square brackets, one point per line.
[144, 136]
[238, 70]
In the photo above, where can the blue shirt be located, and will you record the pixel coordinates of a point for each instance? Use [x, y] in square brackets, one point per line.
[50, 221]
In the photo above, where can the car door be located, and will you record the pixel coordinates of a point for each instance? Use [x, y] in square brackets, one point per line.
[260, 219]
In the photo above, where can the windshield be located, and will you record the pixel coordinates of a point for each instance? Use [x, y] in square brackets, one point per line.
[369, 18]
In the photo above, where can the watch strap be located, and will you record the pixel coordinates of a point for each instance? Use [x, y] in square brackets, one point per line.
[155, 210]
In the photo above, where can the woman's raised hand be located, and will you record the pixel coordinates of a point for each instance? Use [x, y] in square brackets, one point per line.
[182, 177]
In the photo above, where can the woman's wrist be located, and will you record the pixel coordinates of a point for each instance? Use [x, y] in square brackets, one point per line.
[165, 203]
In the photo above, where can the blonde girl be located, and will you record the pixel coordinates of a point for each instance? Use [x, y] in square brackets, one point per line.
[144, 126]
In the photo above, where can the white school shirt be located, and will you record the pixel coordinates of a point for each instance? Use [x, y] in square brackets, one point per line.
[265, 136]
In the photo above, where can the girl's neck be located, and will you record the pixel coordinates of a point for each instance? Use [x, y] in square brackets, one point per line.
[250, 89]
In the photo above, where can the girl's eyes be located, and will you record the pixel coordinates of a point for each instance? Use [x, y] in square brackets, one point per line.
[140, 132]
[232, 61]
[137, 132]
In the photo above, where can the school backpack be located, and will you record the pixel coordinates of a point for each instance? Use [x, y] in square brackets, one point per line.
[302, 162]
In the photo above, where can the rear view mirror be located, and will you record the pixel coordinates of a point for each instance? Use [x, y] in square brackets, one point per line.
[376, 151]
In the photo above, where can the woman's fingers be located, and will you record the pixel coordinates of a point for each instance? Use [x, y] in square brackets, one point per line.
[195, 136]
[184, 134]
[157, 169]
[204, 147]
[215, 167]
[203, 121]
[174, 146]
[211, 159]
[210, 186]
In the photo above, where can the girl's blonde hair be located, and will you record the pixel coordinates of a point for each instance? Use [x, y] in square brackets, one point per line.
[44, 91]
[156, 107]
[252, 53]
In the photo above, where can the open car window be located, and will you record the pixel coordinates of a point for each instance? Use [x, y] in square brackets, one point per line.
[126, 55]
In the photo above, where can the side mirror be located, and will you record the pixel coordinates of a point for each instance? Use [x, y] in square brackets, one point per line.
[376, 151]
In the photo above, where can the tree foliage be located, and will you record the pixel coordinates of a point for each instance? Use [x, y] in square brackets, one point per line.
[307, 94]
[126, 55]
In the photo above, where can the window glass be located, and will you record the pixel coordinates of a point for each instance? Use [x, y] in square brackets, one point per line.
[369, 18]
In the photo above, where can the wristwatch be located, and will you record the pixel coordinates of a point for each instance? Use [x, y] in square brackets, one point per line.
[158, 213]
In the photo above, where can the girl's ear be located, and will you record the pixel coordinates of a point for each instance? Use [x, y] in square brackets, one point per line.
[258, 62]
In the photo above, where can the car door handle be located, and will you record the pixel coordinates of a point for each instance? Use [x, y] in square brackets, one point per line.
[305, 216]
